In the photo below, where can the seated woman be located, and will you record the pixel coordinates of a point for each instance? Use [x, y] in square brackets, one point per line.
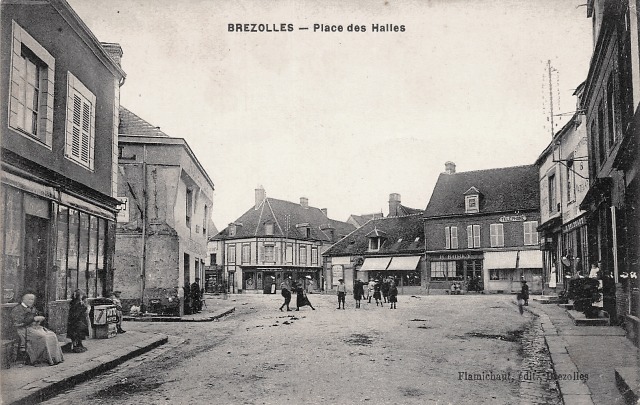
[41, 343]
[78, 322]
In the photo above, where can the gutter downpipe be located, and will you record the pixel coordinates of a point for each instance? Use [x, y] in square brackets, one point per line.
[143, 259]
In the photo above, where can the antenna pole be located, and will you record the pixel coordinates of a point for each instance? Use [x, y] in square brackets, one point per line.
[550, 96]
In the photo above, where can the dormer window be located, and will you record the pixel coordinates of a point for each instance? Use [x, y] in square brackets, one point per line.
[268, 228]
[232, 229]
[374, 244]
[472, 201]
[376, 239]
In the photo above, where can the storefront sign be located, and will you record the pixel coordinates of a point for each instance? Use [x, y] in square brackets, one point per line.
[512, 218]
[455, 256]
[582, 221]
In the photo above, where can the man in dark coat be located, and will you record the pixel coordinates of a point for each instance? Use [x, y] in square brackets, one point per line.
[287, 296]
[196, 296]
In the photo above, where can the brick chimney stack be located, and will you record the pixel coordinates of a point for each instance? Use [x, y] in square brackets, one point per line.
[449, 167]
[261, 195]
[304, 201]
[394, 204]
[114, 51]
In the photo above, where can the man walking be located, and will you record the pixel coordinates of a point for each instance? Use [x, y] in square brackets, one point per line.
[286, 294]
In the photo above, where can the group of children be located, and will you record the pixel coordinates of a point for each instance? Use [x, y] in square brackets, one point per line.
[381, 291]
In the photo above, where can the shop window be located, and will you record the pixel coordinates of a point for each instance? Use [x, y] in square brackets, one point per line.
[441, 271]
[72, 256]
[83, 259]
[32, 78]
[500, 274]
[497, 235]
[93, 257]
[12, 273]
[62, 246]
[451, 237]
[101, 277]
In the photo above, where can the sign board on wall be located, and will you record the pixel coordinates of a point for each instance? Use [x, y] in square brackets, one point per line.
[338, 273]
[123, 209]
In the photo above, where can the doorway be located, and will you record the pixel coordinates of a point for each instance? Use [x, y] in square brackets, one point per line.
[36, 243]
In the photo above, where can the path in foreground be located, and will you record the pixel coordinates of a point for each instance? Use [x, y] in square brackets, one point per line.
[432, 349]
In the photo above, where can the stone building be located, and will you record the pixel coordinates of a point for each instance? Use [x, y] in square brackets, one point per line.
[481, 229]
[564, 182]
[611, 104]
[59, 120]
[276, 241]
[161, 237]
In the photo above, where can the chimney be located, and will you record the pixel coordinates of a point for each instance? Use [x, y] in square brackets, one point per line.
[449, 167]
[114, 51]
[304, 201]
[394, 203]
[260, 196]
[324, 211]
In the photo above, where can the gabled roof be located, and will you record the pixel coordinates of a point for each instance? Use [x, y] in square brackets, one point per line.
[402, 235]
[132, 125]
[402, 210]
[472, 191]
[359, 220]
[376, 233]
[290, 220]
[503, 189]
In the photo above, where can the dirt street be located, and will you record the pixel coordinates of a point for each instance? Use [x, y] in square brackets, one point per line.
[431, 350]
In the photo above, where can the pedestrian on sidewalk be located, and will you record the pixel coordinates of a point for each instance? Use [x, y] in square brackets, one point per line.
[393, 295]
[358, 292]
[302, 299]
[342, 292]
[377, 295]
[525, 292]
[115, 298]
[196, 296]
[286, 294]
[78, 321]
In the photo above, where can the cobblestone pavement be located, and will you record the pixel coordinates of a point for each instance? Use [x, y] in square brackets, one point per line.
[431, 350]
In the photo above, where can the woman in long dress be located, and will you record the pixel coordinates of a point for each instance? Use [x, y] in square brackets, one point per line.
[41, 343]
[77, 323]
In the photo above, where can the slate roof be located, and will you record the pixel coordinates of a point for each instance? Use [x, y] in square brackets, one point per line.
[402, 210]
[503, 189]
[251, 223]
[399, 234]
[363, 219]
[132, 125]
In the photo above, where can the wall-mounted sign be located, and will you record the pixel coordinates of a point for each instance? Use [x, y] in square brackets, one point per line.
[513, 218]
[123, 210]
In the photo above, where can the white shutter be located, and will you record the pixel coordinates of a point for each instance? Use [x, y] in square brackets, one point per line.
[476, 236]
[75, 126]
[447, 237]
[454, 237]
[470, 236]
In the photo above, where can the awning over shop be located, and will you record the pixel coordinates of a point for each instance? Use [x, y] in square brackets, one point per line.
[404, 263]
[375, 263]
[523, 259]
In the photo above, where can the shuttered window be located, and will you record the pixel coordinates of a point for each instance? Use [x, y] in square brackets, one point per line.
[531, 233]
[497, 235]
[80, 140]
[451, 237]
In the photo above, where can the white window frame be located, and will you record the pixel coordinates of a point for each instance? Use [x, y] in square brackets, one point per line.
[288, 253]
[374, 246]
[531, 234]
[269, 253]
[467, 203]
[302, 258]
[84, 139]
[314, 256]
[246, 253]
[231, 253]
[17, 82]
[497, 235]
[473, 236]
[451, 237]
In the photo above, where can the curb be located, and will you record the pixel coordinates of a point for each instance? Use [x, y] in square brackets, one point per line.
[177, 319]
[105, 362]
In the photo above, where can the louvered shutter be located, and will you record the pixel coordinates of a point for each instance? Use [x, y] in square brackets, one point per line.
[447, 237]
[454, 237]
[470, 236]
[261, 253]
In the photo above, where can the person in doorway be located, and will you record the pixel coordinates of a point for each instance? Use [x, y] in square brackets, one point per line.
[302, 299]
[377, 294]
[115, 297]
[286, 294]
[524, 292]
[187, 298]
[342, 292]
[358, 292]
[41, 344]
[393, 295]
[196, 296]
[77, 321]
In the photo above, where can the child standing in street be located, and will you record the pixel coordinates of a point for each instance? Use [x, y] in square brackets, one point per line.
[342, 292]
[393, 295]
[377, 295]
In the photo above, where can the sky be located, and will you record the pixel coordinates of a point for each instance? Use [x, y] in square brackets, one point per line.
[346, 118]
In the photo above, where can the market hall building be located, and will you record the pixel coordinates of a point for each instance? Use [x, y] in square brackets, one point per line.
[59, 125]
[481, 230]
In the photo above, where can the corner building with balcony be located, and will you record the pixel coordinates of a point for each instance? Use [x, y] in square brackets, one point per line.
[481, 229]
[59, 123]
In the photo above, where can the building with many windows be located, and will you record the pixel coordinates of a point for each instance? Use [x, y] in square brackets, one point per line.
[611, 104]
[59, 99]
[381, 248]
[163, 228]
[276, 241]
[481, 229]
[564, 182]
